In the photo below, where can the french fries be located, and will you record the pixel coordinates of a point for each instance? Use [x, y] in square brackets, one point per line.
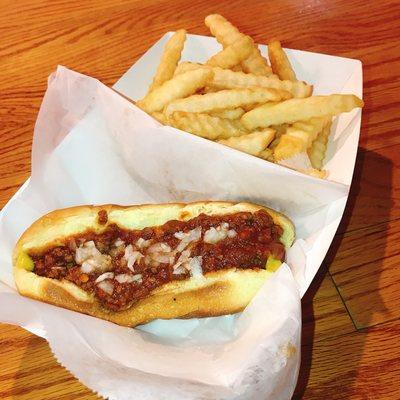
[226, 34]
[232, 113]
[227, 79]
[238, 100]
[224, 99]
[207, 126]
[233, 54]
[169, 59]
[253, 143]
[293, 110]
[299, 137]
[178, 87]
[317, 151]
[280, 62]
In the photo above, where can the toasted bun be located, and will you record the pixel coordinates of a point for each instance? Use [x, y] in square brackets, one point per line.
[217, 293]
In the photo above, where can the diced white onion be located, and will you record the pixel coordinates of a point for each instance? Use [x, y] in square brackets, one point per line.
[88, 267]
[159, 248]
[191, 236]
[91, 259]
[102, 277]
[119, 242]
[141, 243]
[131, 256]
[195, 267]
[127, 278]
[106, 286]
[232, 233]
[221, 232]
[161, 258]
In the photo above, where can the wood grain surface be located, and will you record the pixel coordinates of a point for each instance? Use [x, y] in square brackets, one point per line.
[351, 312]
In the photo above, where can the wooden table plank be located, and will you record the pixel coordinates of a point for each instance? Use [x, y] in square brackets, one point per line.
[324, 313]
[103, 39]
[375, 193]
[366, 272]
[358, 365]
[30, 371]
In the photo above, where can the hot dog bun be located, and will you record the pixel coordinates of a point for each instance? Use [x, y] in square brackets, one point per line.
[217, 293]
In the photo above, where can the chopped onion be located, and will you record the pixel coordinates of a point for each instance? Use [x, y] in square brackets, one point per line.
[183, 258]
[232, 233]
[214, 235]
[102, 277]
[191, 236]
[195, 267]
[88, 254]
[106, 286]
[127, 278]
[159, 248]
[88, 267]
[141, 243]
[119, 242]
[131, 256]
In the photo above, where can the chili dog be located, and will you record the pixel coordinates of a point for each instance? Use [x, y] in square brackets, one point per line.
[130, 265]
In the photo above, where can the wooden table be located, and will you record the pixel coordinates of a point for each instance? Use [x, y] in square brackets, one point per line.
[351, 346]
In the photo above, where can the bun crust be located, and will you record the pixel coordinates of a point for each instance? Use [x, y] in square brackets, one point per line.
[216, 293]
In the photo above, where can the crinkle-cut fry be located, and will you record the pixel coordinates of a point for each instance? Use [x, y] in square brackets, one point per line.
[225, 99]
[317, 151]
[186, 66]
[207, 126]
[256, 64]
[299, 137]
[222, 29]
[233, 54]
[315, 172]
[160, 117]
[179, 86]
[294, 110]
[237, 68]
[267, 154]
[169, 59]
[280, 130]
[232, 113]
[226, 34]
[227, 79]
[280, 62]
[254, 143]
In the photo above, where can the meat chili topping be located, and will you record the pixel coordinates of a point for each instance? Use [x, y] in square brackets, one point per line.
[122, 266]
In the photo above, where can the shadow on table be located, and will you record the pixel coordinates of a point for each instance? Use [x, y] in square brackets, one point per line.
[370, 194]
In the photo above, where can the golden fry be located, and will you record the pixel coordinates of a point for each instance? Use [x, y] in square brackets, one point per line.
[233, 54]
[186, 66]
[256, 64]
[160, 117]
[280, 62]
[233, 113]
[169, 59]
[179, 86]
[227, 79]
[225, 99]
[315, 172]
[317, 151]
[253, 143]
[293, 110]
[226, 34]
[267, 154]
[299, 137]
[280, 130]
[207, 126]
